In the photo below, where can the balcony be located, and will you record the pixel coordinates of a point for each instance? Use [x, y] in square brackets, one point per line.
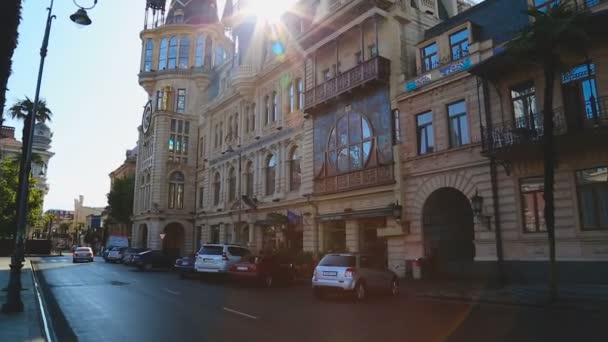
[375, 70]
[522, 138]
[380, 175]
[7, 132]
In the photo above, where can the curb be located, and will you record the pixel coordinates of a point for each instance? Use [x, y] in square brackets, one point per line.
[47, 328]
[60, 327]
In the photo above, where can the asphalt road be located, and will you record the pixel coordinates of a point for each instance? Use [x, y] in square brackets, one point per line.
[111, 302]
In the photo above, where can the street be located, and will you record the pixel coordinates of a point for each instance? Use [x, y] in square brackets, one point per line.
[103, 302]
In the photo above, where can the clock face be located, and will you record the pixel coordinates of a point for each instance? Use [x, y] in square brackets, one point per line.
[146, 118]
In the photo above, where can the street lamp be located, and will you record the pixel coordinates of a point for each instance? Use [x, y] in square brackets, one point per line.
[81, 17]
[13, 299]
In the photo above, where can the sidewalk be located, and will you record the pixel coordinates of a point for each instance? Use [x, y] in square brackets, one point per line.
[571, 296]
[24, 326]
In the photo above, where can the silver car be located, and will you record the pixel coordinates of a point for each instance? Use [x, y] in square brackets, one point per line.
[82, 254]
[353, 273]
[217, 258]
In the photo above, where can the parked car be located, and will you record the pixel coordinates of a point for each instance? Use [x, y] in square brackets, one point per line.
[357, 274]
[148, 260]
[185, 265]
[127, 258]
[116, 254]
[264, 270]
[217, 258]
[82, 254]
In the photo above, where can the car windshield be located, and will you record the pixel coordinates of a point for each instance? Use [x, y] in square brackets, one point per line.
[338, 260]
[83, 249]
[115, 248]
[211, 250]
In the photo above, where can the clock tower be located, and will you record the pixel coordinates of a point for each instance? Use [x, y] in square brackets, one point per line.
[182, 45]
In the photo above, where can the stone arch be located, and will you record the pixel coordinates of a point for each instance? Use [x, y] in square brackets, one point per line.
[460, 182]
[174, 239]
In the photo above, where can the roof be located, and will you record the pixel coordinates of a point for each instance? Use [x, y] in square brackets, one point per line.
[499, 20]
[195, 12]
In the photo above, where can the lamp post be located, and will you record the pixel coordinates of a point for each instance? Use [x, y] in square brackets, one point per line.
[13, 300]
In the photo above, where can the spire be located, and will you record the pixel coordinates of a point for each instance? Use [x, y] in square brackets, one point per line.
[193, 12]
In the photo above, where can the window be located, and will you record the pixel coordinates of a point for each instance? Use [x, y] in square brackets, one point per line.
[396, 127]
[217, 186]
[252, 119]
[201, 200]
[580, 92]
[179, 139]
[292, 98]
[162, 54]
[176, 190]
[237, 251]
[249, 179]
[295, 172]
[430, 59]
[524, 105]
[159, 99]
[184, 53]
[424, 123]
[266, 110]
[200, 47]
[221, 132]
[458, 125]
[148, 55]
[544, 5]
[230, 124]
[592, 189]
[350, 144]
[172, 59]
[300, 84]
[208, 51]
[219, 55]
[181, 100]
[459, 44]
[271, 166]
[533, 204]
[231, 185]
[235, 129]
[275, 106]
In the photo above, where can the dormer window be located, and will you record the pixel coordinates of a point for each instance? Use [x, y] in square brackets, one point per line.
[430, 59]
[459, 44]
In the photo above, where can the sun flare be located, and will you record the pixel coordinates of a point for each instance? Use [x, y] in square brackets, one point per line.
[270, 10]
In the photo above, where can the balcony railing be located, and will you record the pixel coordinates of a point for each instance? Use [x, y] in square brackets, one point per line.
[530, 130]
[7, 132]
[380, 175]
[174, 71]
[375, 69]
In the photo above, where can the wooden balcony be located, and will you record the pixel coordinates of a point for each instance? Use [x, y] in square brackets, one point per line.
[375, 70]
[365, 178]
[522, 138]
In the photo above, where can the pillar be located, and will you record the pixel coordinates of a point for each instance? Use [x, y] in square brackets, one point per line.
[321, 237]
[251, 243]
[352, 235]
[223, 233]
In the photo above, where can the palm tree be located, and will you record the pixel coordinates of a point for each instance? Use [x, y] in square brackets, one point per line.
[23, 108]
[557, 38]
[11, 16]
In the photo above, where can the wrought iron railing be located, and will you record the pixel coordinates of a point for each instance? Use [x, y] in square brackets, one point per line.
[365, 178]
[174, 71]
[530, 129]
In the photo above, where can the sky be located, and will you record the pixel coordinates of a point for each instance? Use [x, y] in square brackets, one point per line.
[90, 83]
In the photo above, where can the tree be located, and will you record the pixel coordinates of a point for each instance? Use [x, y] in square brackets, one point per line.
[557, 38]
[9, 180]
[21, 109]
[11, 17]
[120, 200]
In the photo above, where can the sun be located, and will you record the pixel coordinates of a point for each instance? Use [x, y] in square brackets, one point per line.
[270, 10]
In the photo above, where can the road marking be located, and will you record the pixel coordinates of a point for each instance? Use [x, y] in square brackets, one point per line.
[240, 313]
[172, 292]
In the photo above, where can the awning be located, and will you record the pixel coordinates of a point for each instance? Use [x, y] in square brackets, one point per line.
[351, 215]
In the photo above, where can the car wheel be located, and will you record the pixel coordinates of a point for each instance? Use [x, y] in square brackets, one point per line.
[360, 292]
[318, 293]
[394, 288]
[268, 281]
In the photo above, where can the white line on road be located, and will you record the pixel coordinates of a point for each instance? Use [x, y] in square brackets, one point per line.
[172, 292]
[240, 313]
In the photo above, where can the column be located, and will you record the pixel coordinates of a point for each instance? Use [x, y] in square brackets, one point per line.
[251, 242]
[154, 240]
[321, 237]
[352, 235]
[223, 233]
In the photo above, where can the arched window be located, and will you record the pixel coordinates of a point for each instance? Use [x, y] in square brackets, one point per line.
[236, 125]
[176, 190]
[295, 172]
[247, 109]
[148, 55]
[275, 106]
[349, 145]
[271, 171]
[184, 53]
[200, 46]
[249, 179]
[252, 119]
[221, 134]
[231, 185]
[292, 98]
[300, 84]
[208, 51]
[217, 186]
[172, 59]
[219, 55]
[162, 54]
[267, 110]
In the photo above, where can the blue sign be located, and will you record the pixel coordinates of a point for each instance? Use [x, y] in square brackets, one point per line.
[419, 82]
[456, 67]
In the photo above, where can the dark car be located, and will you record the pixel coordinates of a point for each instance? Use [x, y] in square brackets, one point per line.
[127, 258]
[185, 265]
[148, 260]
[264, 270]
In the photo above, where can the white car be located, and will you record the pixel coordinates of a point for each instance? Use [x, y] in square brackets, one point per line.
[82, 254]
[217, 258]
